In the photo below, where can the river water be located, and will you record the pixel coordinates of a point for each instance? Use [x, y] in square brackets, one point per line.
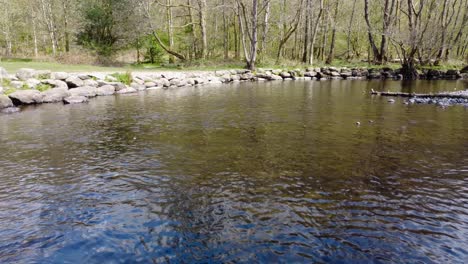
[248, 173]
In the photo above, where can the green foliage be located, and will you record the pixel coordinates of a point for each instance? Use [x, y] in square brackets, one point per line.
[154, 53]
[125, 78]
[43, 87]
[9, 91]
[97, 33]
[5, 82]
[15, 59]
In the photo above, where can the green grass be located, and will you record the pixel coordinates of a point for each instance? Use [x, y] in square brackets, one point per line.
[43, 87]
[125, 78]
[14, 65]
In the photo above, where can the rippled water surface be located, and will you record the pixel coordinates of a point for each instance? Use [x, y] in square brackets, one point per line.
[237, 173]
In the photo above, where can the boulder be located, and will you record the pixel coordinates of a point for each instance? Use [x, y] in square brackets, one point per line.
[32, 83]
[127, 90]
[275, 77]
[55, 95]
[246, 76]
[117, 85]
[174, 82]
[165, 82]
[86, 91]
[74, 81]
[150, 84]
[110, 78]
[75, 100]
[452, 72]
[216, 80]
[4, 74]
[138, 80]
[17, 84]
[138, 87]
[60, 76]
[335, 74]
[84, 77]
[105, 90]
[42, 75]
[346, 74]
[26, 97]
[56, 84]
[310, 74]
[10, 110]
[24, 74]
[5, 101]
[90, 82]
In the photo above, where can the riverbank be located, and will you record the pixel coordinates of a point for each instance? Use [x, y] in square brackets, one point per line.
[29, 86]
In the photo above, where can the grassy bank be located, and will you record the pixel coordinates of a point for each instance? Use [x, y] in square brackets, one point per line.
[14, 65]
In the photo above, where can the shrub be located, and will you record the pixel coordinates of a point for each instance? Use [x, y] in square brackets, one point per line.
[43, 87]
[125, 78]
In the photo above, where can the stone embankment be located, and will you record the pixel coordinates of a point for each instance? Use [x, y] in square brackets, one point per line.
[29, 86]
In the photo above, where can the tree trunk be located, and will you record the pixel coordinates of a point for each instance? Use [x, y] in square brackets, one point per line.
[169, 28]
[314, 33]
[331, 53]
[253, 41]
[202, 17]
[305, 54]
[377, 55]
[350, 26]
[65, 25]
[265, 27]
[226, 32]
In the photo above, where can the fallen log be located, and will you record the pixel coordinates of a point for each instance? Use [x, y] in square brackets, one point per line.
[457, 95]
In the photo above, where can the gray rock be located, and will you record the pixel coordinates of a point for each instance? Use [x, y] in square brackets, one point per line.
[44, 74]
[174, 82]
[84, 77]
[335, 73]
[391, 101]
[117, 85]
[74, 81]
[10, 110]
[75, 100]
[137, 86]
[216, 80]
[5, 101]
[32, 83]
[310, 74]
[275, 77]
[86, 91]
[24, 74]
[246, 76]
[150, 84]
[26, 97]
[60, 76]
[90, 82]
[138, 80]
[111, 78]
[16, 84]
[55, 95]
[4, 74]
[164, 82]
[105, 90]
[56, 84]
[127, 90]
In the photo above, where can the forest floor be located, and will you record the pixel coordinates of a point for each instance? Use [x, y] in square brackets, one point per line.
[13, 66]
